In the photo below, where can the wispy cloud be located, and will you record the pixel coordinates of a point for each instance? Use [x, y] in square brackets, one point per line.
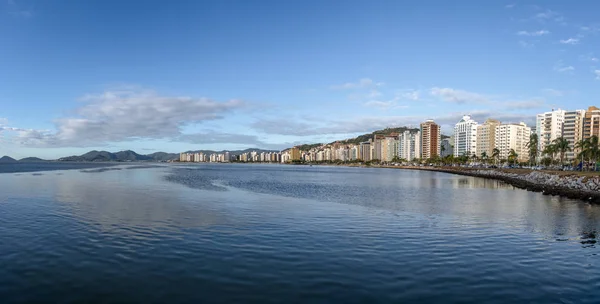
[411, 95]
[548, 15]
[122, 115]
[458, 96]
[553, 92]
[597, 73]
[571, 41]
[524, 104]
[509, 6]
[14, 9]
[362, 83]
[533, 33]
[562, 68]
[526, 44]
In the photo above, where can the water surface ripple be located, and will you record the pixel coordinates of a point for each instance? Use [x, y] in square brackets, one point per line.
[273, 234]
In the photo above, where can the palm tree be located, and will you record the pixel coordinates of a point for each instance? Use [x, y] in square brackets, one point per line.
[550, 150]
[512, 156]
[533, 147]
[582, 147]
[592, 149]
[561, 145]
[495, 155]
[484, 156]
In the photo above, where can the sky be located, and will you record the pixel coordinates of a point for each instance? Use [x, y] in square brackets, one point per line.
[185, 75]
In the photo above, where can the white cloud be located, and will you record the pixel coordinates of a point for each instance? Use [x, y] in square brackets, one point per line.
[553, 92]
[533, 33]
[560, 67]
[380, 104]
[571, 41]
[524, 104]
[374, 94]
[525, 44]
[364, 124]
[412, 95]
[512, 5]
[597, 72]
[115, 116]
[360, 84]
[458, 96]
[548, 15]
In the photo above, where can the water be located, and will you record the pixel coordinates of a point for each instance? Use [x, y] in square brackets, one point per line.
[273, 234]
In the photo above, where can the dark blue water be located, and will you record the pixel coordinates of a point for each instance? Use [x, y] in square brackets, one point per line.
[291, 234]
[49, 166]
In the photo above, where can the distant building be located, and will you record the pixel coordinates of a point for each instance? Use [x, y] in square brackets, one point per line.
[591, 124]
[573, 131]
[409, 145]
[465, 137]
[365, 150]
[430, 139]
[446, 147]
[513, 136]
[486, 137]
[549, 126]
[294, 154]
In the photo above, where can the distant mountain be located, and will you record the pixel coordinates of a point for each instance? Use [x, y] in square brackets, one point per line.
[7, 159]
[365, 137]
[102, 156]
[131, 156]
[163, 156]
[32, 160]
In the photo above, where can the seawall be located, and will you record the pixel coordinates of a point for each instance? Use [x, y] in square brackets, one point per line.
[573, 185]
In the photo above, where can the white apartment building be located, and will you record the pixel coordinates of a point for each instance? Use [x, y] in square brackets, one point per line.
[465, 137]
[513, 136]
[389, 148]
[573, 131]
[409, 145]
[549, 126]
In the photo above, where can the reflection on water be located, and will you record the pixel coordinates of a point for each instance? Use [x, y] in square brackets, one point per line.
[254, 233]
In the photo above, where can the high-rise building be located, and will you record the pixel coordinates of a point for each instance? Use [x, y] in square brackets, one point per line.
[409, 145]
[465, 137]
[549, 126]
[430, 139]
[294, 154]
[446, 147]
[486, 137]
[377, 147]
[389, 148]
[591, 123]
[365, 150]
[573, 131]
[513, 136]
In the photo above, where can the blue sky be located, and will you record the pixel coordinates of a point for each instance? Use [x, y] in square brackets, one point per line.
[184, 75]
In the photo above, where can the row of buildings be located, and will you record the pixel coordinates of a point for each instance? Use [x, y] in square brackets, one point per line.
[469, 138]
[574, 126]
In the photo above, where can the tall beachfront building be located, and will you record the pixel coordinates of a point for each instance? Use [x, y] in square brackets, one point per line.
[409, 145]
[430, 139]
[446, 148]
[549, 126]
[513, 136]
[486, 137]
[591, 123]
[465, 137]
[573, 131]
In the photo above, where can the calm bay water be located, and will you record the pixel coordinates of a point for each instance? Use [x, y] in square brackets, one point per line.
[273, 234]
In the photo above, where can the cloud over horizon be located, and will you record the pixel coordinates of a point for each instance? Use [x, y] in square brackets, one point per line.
[122, 115]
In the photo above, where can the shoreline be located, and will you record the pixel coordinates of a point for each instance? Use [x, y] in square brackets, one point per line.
[569, 185]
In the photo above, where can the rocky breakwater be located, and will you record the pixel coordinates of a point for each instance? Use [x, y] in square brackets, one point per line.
[569, 185]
